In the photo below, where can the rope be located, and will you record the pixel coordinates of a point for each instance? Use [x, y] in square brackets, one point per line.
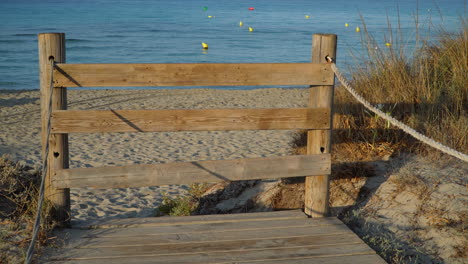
[397, 123]
[37, 222]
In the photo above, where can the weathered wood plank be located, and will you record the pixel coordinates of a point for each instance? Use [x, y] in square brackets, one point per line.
[195, 219]
[188, 120]
[364, 258]
[83, 240]
[206, 74]
[211, 227]
[193, 172]
[361, 259]
[213, 246]
[217, 256]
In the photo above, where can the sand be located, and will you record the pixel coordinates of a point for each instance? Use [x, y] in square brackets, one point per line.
[20, 139]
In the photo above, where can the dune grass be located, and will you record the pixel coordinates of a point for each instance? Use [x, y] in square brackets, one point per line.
[19, 187]
[183, 205]
[427, 89]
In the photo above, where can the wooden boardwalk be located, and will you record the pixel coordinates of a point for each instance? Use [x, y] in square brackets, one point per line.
[272, 237]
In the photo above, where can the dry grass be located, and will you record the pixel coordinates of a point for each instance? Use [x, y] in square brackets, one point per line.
[183, 205]
[428, 89]
[18, 205]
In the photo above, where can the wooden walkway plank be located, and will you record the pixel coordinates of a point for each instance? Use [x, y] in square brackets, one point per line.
[269, 237]
[338, 259]
[230, 256]
[208, 226]
[193, 172]
[342, 259]
[107, 121]
[192, 74]
[212, 246]
[90, 241]
[365, 258]
[194, 219]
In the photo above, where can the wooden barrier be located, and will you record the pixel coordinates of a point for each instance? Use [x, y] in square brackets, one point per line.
[317, 118]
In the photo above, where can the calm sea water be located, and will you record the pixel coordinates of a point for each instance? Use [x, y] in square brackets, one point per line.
[171, 31]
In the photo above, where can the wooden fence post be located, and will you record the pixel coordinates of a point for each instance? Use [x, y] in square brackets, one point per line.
[52, 45]
[316, 196]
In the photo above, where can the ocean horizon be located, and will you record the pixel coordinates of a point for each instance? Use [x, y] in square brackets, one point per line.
[156, 31]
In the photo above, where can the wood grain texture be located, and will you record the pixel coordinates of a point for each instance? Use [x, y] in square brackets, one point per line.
[345, 257]
[188, 120]
[52, 45]
[192, 74]
[268, 237]
[194, 219]
[316, 197]
[278, 224]
[246, 234]
[225, 247]
[193, 172]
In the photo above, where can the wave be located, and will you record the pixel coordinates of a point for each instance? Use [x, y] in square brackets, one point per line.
[78, 40]
[13, 41]
[86, 47]
[24, 35]
[114, 36]
[4, 84]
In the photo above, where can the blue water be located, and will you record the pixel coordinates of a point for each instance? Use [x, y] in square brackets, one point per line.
[171, 31]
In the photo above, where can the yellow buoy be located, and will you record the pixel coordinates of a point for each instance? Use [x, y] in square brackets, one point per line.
[241, 24]
[307, 16]
[358, 29]
[388, 44]
[204, 45]
[210, 16]
[346, 25]
[251, 29]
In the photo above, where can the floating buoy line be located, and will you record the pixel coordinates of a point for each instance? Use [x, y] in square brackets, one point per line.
[251, 29]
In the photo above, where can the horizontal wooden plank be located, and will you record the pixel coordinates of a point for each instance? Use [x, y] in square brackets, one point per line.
[215, 246]
[361, 258]
[194, 219]
[193, 172]
[192, 74]
[340, 259]
[90, 241]
[64, 121]
[229, 255]
[210, 227]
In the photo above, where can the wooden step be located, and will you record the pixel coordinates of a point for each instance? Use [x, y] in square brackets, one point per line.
[270, 237]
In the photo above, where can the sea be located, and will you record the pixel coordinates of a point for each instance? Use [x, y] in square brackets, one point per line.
[171, 31]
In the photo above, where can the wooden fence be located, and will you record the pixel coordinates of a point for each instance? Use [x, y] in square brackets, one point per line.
[317, 119]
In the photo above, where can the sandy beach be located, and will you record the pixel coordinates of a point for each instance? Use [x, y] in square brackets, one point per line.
[20, 139]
